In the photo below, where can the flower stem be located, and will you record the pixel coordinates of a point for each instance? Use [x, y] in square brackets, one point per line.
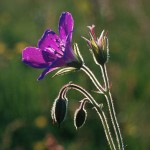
[98, 110]
[110, 100]
[93, 78]
[106, 93]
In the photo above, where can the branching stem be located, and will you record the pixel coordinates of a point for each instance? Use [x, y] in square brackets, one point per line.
[110, 100]
[93, 78]
[96, 107]
[106, 92]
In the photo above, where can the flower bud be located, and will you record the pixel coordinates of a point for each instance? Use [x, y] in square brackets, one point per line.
[102, 53]
[80, 116]
[59, 110]
[99, 46]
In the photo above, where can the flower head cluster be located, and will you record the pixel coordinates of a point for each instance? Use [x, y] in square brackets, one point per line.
[53, 51]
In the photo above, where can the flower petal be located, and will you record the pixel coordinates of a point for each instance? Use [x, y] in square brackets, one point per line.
[68, 53]
[36, 57]
[55, 65]
[49, 39]
[66, 24]
[92, 31]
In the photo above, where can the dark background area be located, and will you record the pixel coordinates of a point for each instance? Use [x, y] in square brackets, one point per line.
[25, 103]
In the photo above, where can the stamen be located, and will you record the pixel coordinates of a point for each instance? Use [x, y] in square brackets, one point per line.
[57, 40]
[57, 53]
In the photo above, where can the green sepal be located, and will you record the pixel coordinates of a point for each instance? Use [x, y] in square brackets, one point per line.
[98, 92]
[64, 71]
[77, 53]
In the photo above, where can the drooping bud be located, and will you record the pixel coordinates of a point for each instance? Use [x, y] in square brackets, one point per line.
[59, 110]
[80, 115]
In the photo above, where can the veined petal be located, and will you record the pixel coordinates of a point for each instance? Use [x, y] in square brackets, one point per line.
[35, 57]
[68, 53]
[49, 39]
[66, 24]
[55, 65]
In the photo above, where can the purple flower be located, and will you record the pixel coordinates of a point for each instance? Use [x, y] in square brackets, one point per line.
[53, 51]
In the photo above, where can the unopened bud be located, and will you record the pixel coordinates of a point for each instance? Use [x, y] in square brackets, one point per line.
[59, 110]
[99, 46]
[80, 116]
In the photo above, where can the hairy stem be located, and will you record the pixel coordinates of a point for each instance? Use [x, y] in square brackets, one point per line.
[93, 78]
[104, 91]
[110, 100]
[98, 110]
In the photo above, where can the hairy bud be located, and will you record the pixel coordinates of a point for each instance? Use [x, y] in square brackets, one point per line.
[80, 116]
[102, 53]
[59, 110]
[99, 46]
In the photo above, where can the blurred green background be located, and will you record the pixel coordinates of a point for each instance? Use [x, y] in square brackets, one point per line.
[25, 104]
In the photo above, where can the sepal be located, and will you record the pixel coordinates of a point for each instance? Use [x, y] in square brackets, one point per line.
[64, 71]
[77, 52]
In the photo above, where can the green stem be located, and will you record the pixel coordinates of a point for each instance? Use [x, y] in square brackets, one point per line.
[104, 91]
[109, 98]
[98, 110]
[93, 78]
[106, 129]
